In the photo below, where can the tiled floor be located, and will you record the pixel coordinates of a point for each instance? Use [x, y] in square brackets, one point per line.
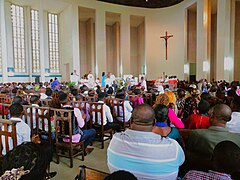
[97, 160]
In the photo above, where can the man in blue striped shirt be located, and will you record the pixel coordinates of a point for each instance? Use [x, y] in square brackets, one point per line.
[145, 154]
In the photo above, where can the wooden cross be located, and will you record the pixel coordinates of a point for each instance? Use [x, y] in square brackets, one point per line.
[166, 37]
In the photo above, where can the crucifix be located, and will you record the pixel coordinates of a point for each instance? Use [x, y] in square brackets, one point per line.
[166, 37]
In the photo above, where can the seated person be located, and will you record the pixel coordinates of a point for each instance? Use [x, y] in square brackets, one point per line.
[34, 100]
[180, 100]
[49, 93]
[226, 163]
[200, 120]
[78, 123]
[127, 107]
[86, 111]
[161, 126]
[233, 126]
[137, 99]
[121, 175]
[23, 131]
[201, 142]
[30, 157]
[164, 100]
[107, 115]
[18, 100]
[142, 152]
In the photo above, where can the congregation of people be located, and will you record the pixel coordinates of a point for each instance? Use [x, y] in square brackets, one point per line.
[163, 129]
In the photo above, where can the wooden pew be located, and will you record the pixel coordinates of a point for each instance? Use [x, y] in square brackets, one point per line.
[5, 134]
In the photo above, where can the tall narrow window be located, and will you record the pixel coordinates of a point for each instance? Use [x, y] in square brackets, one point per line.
[53, 43]
[35, 41]
[17, 13]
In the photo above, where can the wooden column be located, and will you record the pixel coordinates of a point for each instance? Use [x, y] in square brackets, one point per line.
[125, 44]
[116, 54]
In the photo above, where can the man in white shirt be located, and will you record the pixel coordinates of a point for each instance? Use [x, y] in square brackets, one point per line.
[23, 131]
[143, 83]
[107, 115]
[127, 107]
[91, 80]
[233, 125]
[112, 78]
[160, 89]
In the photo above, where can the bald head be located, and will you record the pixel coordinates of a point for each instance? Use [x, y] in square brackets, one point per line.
[222, 112]
[143, 115]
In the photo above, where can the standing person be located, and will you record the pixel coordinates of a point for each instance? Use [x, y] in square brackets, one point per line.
[104, 77]
[91, 80]
[143, 83]
[108, 80]
[140, 151]
[112, 78]
[74, 77]
[54, 84]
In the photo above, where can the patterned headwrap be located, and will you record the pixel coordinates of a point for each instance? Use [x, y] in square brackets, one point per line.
[162, 99]
[171, 96]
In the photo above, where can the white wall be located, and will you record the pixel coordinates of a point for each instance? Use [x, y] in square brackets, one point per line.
[66, 45]
[157, 22]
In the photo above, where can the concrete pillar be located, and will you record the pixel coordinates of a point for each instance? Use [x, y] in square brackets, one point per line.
[75, 39]
[224, 61]
[28, 40]
[100, 33]
[3, 42]
[9, 39]
[125, 45]
[203, 44]
[42, 42]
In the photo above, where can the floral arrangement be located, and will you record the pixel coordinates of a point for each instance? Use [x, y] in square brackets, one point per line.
[121, 84]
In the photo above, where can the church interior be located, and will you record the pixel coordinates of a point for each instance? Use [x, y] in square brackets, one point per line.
[189, 39]
[100, 36]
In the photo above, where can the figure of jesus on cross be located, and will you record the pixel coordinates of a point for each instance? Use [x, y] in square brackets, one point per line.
[166, 37]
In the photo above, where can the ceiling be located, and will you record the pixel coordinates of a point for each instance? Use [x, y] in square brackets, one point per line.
[145, 3]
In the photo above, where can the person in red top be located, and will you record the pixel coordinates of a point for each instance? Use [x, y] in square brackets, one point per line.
[200, 120]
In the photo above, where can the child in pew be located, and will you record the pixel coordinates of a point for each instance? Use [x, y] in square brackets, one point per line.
[34, 100]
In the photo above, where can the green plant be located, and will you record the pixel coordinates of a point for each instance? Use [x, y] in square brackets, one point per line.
[70, 85]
